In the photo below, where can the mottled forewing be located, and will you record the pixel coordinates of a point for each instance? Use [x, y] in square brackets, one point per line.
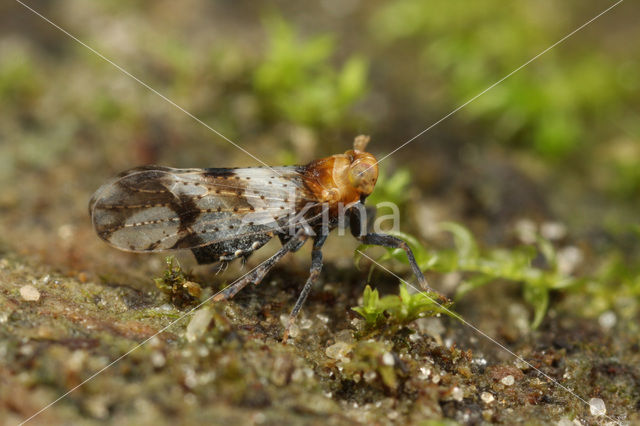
[230, 210]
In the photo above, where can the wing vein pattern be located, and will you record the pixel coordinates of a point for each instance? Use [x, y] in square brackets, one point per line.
[224, 213]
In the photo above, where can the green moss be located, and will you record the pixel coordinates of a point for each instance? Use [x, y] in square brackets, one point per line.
[486, 266]
[20, 80]
[177, 284]
[398, 310]
[372, 358]
[297, 82]
[548, 107]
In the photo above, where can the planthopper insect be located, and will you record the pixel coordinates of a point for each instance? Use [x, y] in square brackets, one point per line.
[222, 214]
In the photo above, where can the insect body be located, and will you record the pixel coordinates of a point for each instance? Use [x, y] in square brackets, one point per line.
[225, 214]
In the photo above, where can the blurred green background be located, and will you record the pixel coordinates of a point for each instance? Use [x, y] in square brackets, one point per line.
[522, 207]
[556, 144]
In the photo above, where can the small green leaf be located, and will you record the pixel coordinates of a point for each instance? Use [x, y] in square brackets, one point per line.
[538, 297]
[404, 294]
[547, 250]
[371, 297]
[370, 309]
[402, 308]
[388, 376]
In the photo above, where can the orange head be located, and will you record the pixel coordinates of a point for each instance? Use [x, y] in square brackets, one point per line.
[344, 178]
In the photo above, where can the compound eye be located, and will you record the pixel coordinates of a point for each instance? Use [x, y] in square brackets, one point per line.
[363, 177]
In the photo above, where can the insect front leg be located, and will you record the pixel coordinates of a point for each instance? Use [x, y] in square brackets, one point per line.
[314, 274]
[258, 273]
[366, 237]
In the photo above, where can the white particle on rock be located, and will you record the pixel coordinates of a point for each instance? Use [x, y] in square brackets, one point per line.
[198, 324]
[203, 351]
[323, 318]
[26, 350]
[387, 359]
[157, 359]
[305, 323]
[328, 287]
[526, 231]
[97, 406]
[294, 330]
[568, 258]
[77, 360]
[355, 322]
[487, 414]
[259, 418]
[431, 326]
[424, 373]
[65, 232]
[230, 312]
[521, 364]
[165, 307]
[344, 336]
[597, 407]
[553, 230]
[190, 378]
[508, 380]
[487, 397]
[339, 351]
[370, 376]
[297, 375]
[607, 320]
[457, 394]
[284, 320]
[306, 372]
[29, 293]
[518, 314]
[436, 378]
[479, 361]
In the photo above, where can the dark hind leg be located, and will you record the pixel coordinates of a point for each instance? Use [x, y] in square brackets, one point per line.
[366, 237]
[393, 242]
[259, 272]
[314, 274]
